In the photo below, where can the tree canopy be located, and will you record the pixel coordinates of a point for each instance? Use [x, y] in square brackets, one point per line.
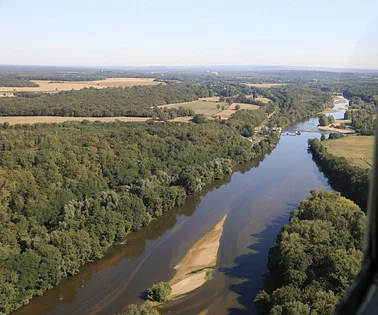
[315, 258]
[68, 191]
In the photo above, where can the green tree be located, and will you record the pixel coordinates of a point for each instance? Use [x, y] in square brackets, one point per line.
[348, 115]
[199, 119]
[159, 292]
[237, 107]
[133, 309]
[323, 120]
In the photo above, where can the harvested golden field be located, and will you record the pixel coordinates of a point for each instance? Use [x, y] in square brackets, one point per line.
[265, 85]
[202, 106]
[210, 99]
[13, 120]
[358, 150]
[45, 86]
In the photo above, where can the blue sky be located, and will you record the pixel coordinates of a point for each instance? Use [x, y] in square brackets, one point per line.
[330, 33]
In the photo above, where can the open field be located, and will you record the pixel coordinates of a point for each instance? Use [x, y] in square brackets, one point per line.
[210, 99]
[265, 85]
[202, 106]
[225, 114]
[358, 150]
[45, 86]
[260, 99]
[244, 106]
[338, 100]
[191, 271]
[13, 120]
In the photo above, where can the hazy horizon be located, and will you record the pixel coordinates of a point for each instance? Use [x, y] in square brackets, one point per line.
[262, 67]
[338, 34]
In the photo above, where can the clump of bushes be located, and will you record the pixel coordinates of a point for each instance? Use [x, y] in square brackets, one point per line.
[159, 292]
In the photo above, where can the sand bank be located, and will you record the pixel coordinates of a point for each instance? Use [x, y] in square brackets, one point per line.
[191, 271]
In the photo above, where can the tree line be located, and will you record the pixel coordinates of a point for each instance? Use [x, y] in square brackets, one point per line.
[296, 103]
[351, 181]
[10, 81]
[122, 101]
[362, 114]
[68, 191]
[315, 258]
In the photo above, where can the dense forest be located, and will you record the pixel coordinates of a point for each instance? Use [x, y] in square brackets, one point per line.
[70, 190]
[315, 258]
[352, 181]
[296, 103]
[128, 101]
[64, 202]
[362, 114]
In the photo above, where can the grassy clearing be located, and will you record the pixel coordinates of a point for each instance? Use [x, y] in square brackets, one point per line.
[202, 106]
[358, 150]
[45, 86]
[225, 114]
[208, 107]
[263, 99]
[264, 85]
[244, 106]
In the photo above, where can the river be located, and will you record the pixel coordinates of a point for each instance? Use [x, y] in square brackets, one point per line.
[258, 199]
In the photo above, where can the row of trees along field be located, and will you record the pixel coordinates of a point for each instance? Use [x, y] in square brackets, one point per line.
[352, 181]
[122, 101]
[295, 102]
[10, 81]
[316, 257]
[69, 191]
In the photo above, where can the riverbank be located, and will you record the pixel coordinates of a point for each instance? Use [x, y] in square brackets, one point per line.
[352, 181]
[192, 269]
[339, 130]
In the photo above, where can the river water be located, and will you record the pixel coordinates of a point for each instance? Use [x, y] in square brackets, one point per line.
[258, 198]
